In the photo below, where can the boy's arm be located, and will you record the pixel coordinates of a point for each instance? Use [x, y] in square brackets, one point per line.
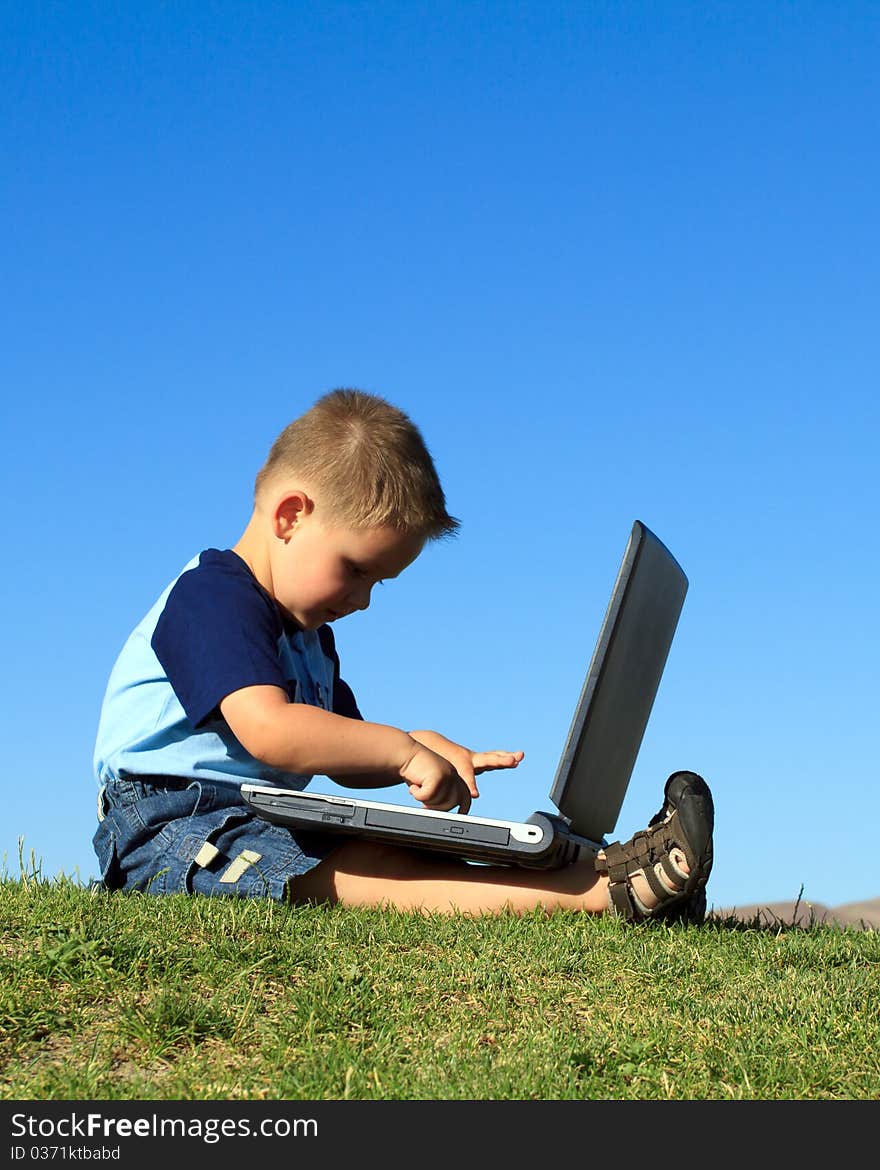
[296, 737]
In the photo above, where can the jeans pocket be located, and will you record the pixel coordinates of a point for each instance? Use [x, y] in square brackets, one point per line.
[202, 856]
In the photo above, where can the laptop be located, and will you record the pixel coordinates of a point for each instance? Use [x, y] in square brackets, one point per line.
[597, 759]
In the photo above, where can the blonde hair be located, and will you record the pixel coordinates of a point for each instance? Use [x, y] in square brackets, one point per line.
[367, 462]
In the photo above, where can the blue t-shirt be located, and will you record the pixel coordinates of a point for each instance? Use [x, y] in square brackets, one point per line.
[214, 630]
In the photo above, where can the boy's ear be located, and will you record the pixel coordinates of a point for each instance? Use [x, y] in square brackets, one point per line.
[289, 510]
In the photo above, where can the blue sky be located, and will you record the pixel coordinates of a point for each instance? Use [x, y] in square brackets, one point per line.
[617, 260]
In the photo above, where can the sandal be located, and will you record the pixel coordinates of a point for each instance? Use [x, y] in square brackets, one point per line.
[684, 823]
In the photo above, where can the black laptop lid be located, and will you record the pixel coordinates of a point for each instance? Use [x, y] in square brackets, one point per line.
[621, 684]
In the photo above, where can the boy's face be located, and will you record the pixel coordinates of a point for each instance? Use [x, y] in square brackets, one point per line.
[321, 573]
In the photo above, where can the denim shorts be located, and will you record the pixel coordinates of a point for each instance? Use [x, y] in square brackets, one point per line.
[166, 836]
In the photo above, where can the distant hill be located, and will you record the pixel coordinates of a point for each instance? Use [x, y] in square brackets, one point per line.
[861, 915]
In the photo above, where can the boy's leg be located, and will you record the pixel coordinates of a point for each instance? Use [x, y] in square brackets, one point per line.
[363, 873]
[656, 870]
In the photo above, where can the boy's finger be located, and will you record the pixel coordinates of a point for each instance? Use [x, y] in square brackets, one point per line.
[484, 761]
[467, 774]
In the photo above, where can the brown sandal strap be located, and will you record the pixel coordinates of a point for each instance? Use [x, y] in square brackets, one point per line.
[640, 854]
[621, 903]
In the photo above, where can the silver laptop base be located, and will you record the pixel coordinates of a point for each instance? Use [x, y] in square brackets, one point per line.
[544, 841]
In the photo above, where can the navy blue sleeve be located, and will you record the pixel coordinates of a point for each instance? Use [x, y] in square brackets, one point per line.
[217, 633]
[344, 702]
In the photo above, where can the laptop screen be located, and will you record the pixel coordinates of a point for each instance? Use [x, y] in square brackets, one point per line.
[621, 684]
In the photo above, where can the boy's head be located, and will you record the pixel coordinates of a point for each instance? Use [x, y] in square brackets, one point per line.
[366, 463]
[347, 497]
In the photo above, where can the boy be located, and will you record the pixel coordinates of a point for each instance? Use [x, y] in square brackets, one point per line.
[233, 677]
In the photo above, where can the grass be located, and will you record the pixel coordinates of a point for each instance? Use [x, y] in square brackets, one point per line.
[108, 996]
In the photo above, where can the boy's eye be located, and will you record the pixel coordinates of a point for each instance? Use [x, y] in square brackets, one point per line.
[359, 572]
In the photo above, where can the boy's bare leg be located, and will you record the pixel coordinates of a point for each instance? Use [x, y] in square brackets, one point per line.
[654, 870]
[364, 873]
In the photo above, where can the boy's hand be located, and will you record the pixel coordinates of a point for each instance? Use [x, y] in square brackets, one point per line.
[468, 764]
[434, 782]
